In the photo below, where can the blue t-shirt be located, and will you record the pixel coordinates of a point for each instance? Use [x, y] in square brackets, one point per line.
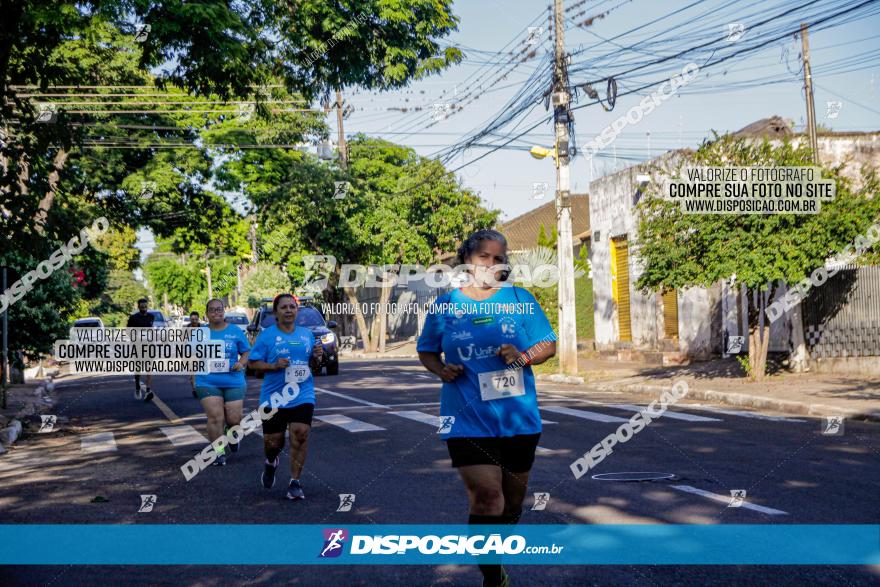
[236, 344]
[273, 344]
[469, 333]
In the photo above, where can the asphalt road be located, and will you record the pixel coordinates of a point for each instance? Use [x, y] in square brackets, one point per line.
[107, 444]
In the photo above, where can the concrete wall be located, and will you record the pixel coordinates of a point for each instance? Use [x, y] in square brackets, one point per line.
[703, 314]
[610, 216]
[856, 150]
[860, 366]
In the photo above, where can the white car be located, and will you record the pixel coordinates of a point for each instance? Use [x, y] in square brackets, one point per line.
[237, 318]
[90, 322]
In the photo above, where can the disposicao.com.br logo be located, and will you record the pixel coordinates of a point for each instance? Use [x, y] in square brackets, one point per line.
[452, 544]
[334, 541]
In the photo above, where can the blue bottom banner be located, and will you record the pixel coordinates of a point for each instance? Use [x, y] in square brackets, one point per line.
[526, 544]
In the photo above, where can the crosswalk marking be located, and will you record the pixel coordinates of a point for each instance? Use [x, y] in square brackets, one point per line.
[98, 442]
[544, 451]
[668, 414]
[419, 417]
[744, 414]
[350, 398]
[726, 499]
[347, 423]
[595, 416]
[184, 435]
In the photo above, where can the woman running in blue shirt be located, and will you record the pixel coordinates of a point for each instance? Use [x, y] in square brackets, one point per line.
[222, 394]
[488, 333]
[282, 352]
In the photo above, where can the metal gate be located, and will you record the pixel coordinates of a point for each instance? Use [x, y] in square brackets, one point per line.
[620, 286]
[842, 316]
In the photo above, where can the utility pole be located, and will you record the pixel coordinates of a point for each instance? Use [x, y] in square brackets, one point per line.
[808, 89]
[255, 255]
[343, 150]
[208, 273]
[562, 116]
[800, 359]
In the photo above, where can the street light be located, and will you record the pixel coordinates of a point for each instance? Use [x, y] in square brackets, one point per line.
[541, 152]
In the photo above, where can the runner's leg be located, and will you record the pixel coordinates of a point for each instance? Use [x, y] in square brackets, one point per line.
[272, 445]
[232, 410]
[299, 447]
[484, 488]
[273, 442]
[486, 497]
[514, 487]
[213, 406]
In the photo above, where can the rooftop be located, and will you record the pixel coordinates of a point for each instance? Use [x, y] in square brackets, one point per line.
[522, 231]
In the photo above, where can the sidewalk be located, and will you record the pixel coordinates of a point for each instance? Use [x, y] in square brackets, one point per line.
[722, 381]
[24, 404]
[396, 350]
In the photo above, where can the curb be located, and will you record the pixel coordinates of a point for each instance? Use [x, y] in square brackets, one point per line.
[751, 401]
[559, 378]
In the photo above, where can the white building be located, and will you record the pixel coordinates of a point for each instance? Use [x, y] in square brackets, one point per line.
[685, 324]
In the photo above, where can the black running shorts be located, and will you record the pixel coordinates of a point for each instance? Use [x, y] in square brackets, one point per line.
[514, 454]
[284, 416]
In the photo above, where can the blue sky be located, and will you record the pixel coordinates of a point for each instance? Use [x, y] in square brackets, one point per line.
[505, 178]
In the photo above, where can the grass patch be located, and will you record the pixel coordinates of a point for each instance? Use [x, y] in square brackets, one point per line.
[548, 367]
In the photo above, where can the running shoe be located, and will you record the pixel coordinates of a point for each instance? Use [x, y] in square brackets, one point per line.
[233, 446]
[220, 461]
[148, 397]
[137, 393]
[268, 477]
[295, 490]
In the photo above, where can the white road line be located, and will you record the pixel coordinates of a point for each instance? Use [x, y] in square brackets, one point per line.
[350, 398]
[543, 421]
[595, 416]
[435, 422]
[98, 442]
[347, 423]
[422, 417]
[668, 414]
[744, 414]
[544, 451]
[359, 408]
[183, 435]
[726, 499]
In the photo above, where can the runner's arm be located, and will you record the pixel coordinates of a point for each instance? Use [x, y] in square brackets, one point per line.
[242, 361]
[432, 363]
[541, 352]
[264, 366]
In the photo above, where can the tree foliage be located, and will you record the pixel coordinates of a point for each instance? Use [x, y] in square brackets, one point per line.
[684, 250]
[264, 281]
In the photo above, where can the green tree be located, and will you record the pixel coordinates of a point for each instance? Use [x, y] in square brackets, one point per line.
[208, 49]
[547, 241]
[683, 250]
[119, 245]
[44, 313]
[400, 208]
[119, 298]
[264, 281]
[183, 282]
